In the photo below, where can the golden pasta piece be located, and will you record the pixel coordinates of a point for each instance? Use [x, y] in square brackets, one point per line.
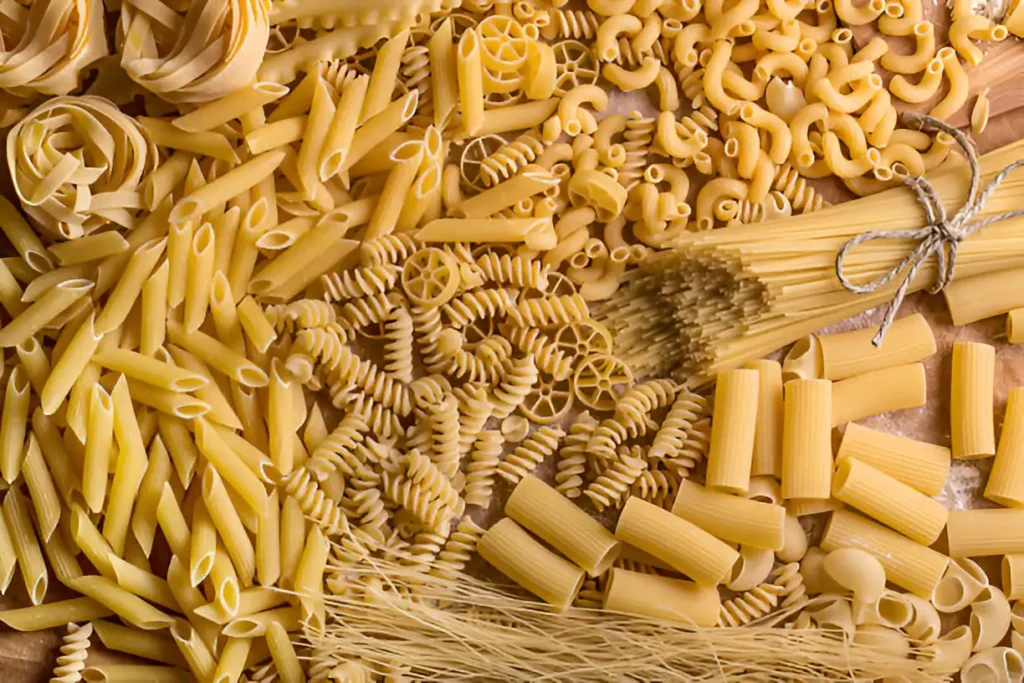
[972, 422]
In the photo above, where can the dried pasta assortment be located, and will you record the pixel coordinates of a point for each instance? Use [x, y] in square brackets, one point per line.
[280, 348]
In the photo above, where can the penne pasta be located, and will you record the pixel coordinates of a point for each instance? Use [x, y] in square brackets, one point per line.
[127, 606]
[13, 422]
[54, 614]
[26, 545]
[143, 584]
[131, 467]
[145, 644]
[41, 491]
[224, 581]
[150, 370]
[218, 356]
[268, 542]
[229, 525]
[8, 559]
[158, 473]
[131, 673]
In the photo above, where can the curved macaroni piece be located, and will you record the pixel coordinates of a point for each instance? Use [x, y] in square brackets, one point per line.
[913, 13]
[925, 88]
[714, 90]
[637, 79]
[608, 33]
[974, 26]
[962, 583]
[916, 61]
[948, 653]
[994, 664]
[956, 97]
[781, 138]
[528, 455]
[990, 618]
[852, 15]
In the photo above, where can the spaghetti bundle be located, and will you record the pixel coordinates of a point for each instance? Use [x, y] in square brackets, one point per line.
[211, 50]
[727, 296]
[76, 163]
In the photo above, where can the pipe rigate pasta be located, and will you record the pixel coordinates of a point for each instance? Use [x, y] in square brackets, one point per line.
[990, 618]
[528, 455]
[997, 663]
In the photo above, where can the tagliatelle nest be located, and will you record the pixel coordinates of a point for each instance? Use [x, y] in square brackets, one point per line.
[212, 49]
[76, 163]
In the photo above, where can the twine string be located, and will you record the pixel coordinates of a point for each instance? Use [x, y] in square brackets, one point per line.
[941, 236]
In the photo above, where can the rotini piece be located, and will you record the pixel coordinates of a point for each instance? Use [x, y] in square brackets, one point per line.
[519, 378]
[366, 377]
[572, 24]
[613, 486]
[428, 391]
[750, 605]
[656, 486]
[73, 652]
[791, 582]
[360, 282]
[530, 454]
[482, 468]
[364, 500]
[747, 212]
[320, 348]
[427, 510]
[641, 400]
[693, 449]
[458, 550]
[478, 304]
[390, 249]
[686, 410]
[590, 596]
[426, 474]
[638, 136]
[571, 461]
[419, 436]
[427, 327]
[444, 436]
[515, 271]
[301, 314]
[550, 311]
[415, 72]
[549, 358]
[702, 119]
[338, 450]
[382, 421]
[369, 310]
[422, 554]
[474, 410]
[794, 187]
[469, 366]
[612, 433]
[398, 345]
[510, 159]
[301, 485]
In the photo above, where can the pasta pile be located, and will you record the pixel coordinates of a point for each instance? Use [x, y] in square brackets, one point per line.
[282, 343]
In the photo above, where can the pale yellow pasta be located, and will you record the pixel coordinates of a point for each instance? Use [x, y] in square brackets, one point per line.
[540, 73]
[661, 597]
[889, 501]
[189, 598]
[385, 72]
[13, 421]
[44, 310]
[142, 583]
[200, 274]
[202, 550]
[516, 117]
[858, 572]
[129, 607]
[767, 459]
[976, 533]
[90, 541]
[250, 601]
[983, 296]
[153, 324]
[280, 423]
[69, 367]
[26, 546]
[990, 618]
[229, 526]
[995, 663]
[536, 233]
[145, 644]
[1006, 481]
[193, 649]
[302, 258]
[158, 473]
[286, 661]
[8, 559]
[732, 432]
[256, 624]
[130, 468]
[972, 423]
[41, 491]
[1012, 573]
[683, 545]
[127, 673]
[149, 370]
[179, 244]
[232, 660]
[224, 581]
[880, 391]
[407, 157]
[228, 462]
[470, 81]
[846, 354]
[212, 114]
[158, 185]
[907, 564]
[731, 518]
[921, 465]
[268, 542]
[293, 535]
[206, 143]
[807, 439]
[217, 355]
[555, 519]
[171, 402]
[917, 61]
[443, 74]
[258, 329]
[341, 130]
[234, 182]
[956, 96]
[53, 614]
[89, 248]
[513, 552]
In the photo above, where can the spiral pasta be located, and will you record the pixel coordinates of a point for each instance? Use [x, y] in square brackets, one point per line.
[301, 485]
[389, 249]
[369, 310]
[398, 345]
[510, 159]
[794, 187]
[415, 72]
[323, 348]
[571, 460]
[550, 311]
[514, 271]
[364, 501]
[609, 435]
[86, 183]
[484, 456]
[642, 399]
[426, 509]
[428, 475]
[530, 453]
[233, 37]
[750, 605]
[572, 24]
[519, 378]
[304, 314]
[382, 421]
[444, 430]
[478, 304]
[338, 449]
[656, 486]
[429, 391]
[73, 653]
[613, 486]
[549, 358]
[360, 282]
[422, 554]
[458, 549]
[372, 381]
[427, 327]
[686, 410]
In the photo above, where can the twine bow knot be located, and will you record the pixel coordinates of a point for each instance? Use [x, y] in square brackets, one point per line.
[941, 235]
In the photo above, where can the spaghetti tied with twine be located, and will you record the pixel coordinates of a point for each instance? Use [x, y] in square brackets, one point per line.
[941, 236]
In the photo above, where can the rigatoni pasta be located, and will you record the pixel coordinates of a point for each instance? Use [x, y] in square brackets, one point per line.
[972, 423]
[847, 354]
[880, 391]
[732, 432]
[923, 466]
[807, 439]
[731, 518]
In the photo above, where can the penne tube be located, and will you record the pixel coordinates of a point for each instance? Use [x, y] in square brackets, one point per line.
[205, 143]
[545, 512]
[972, 423]
[293, 537]
[23, 238]
[768, 431]
[225, 235]
[153, 328]
[62, 556]
[13, 421]
[8, 558]
[200, 660]
[889, 501]
[470, 81]
[41, 491]
[252, 456]
[280, 427]
[189, 598]
[145, 644]
[731, 518]
[130, 468]
[975, 298]
[286, 661]
[158, 473]
[529, 183]
[218, 356]
[650, 595]
[90, 541]
[235, 472]
[331, 229]
[221, 411]
[89, 248]
[53, 614]
[143, 584]
[232, 660]
[229, 526]
[253, 320]
[277, 134]
[42, 311]
[225, 314]
[909, 565]
[56, 455]
[150, 370]
[321, 113]
[847, 354]
[42, 284]
[212, 114]
[10, 290]
[683, 545]
[308, 579]
[180, 446]
[807, 439]
[250, 601]
[515, 117]
[172, 522]
[535, 232]
[979, 533]
[132, 673]
[201, 257]
[923, 466]
[129, 287]
[342, 129]
[26, 545]
[179, 244]
[407, 157]
[1006, 481]
[224, 580]
[69, 368]
[513, 552]
[443, 73]
[127, 606]
[34, 362]
[732, 431]
[268, 542]
[158, 185]
[169, 402]
[203, 549]
[881, 391]
[236, 181]
[255, 625]
[385, 72]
